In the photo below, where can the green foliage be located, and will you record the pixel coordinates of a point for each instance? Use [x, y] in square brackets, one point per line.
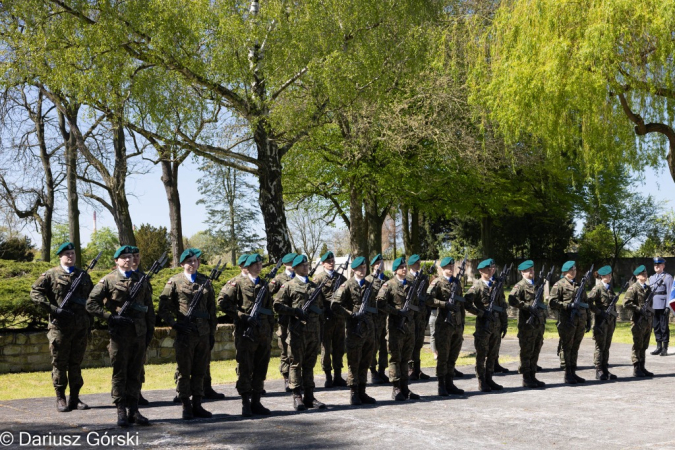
[596, 247]
[60, 234]
[16, 248]
[661, 237]
[152, 242]
[105, 241]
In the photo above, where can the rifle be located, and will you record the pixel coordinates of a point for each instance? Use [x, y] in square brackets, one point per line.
[422, 288]
[311, 272]
[495, 291]
[453, 291]
[258, 309]
[611, 309]
[365, 299]
[130, 303]
[76, 282]
[196, 298]
[649, 301]
[336, 276]
[407, 306]
[538, 303]
[580, 292]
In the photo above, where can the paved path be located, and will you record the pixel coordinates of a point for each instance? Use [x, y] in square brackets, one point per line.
[629, 413]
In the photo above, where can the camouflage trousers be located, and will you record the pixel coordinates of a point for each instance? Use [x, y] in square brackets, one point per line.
[379, 358]
[421, 322]
[67, 348]
[303, 347]
[602, 334]
[127, 355]
[530, 338]
[282, 334]
[253, 358]
[642, 332]
[333, 344]
[360, 351]
[571, 334]
[192, 358]
[448, 341]
[487, 340]
[400, 346]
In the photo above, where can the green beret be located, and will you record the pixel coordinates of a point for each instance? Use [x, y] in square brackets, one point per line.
[398, 262]
[65, 246]
[252, 259]
[300, 259]
[639, 270]
[242, 259]
[358, 261]
[413, 259]
[197, 252]
[605, 270]
[122, 250]
[447, 261]
[569, 265]
[189, 253]
[327, 255]
[135, 250]
[375, 259]
[288, 258]
[526, 265]
[486, 263]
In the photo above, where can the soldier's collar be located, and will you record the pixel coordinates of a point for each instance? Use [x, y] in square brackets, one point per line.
[302, 279]
[70, 269]
[191, 277]
[126, 274]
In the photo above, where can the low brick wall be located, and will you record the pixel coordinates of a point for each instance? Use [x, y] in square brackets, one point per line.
[29, 351]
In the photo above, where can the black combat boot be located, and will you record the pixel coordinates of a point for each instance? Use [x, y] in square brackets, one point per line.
[540, 384]
[198, 409]
[458, 374]
[354, 398]
[297, 400]
[122, 419]
[529, 382]
[176, 399]
[210, 394]
[412, 374]
[645, 371]
[451, 388]
[257, 407]
[500, 369]
[338, 381]
[187, 408]
[310, 401]
[365, 398]
[417, 367]
[610, 376]
[329, 380]
[658, 349]
[637, 371]
[74, 401]
[664, 350]
[494, 386]
[135, 416]
[396, 393]
[569, 377]
[600, 374]
[61, 404]
[577, 377]
[286, 382]
[483, 386]
[246, 405]
[383, 376]
[407, 392]
[539, 369]
[142, 401]
[375, 377]
[442, 391]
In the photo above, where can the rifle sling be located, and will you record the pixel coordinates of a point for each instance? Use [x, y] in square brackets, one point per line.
[139, 307]
[79, 300]
[200, 315]
[316, 309]
[265, 311]
[370, 309]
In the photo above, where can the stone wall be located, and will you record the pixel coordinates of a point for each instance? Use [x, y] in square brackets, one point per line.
[29, 351]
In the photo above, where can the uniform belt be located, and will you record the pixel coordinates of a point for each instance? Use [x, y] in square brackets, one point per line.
[497, 309]
[79, 300]
[370, 309]
[583, 305]
[266, 312]
[200, 315]
[139, 307]
[316, 309]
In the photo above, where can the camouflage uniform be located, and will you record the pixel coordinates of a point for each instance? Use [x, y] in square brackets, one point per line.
[236, 299]
[127, 342]
[570, 329]
[67, 334]
[530, 337]
[641, 324]
[333, 334]
[421, 321]
[282, 331]
[487, 337]
[303, 337]
[599, 300]
[193, 348]
[379, 359]
[360, 330]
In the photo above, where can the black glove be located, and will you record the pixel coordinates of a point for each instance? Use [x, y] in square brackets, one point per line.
[244, 319]
[451, 306]
[212, 341]
[120, 320]
[602, 315]
[300, 314]
[64, 314]
[182, 327]
[504, 332]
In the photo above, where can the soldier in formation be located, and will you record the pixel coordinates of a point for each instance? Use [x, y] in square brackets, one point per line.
[599, 300]
[282, 333]
[421, 320]
[379, 361]
[635, 301]
[68, 325]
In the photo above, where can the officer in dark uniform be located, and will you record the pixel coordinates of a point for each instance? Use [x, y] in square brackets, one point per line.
[68, 326]
[661, 308]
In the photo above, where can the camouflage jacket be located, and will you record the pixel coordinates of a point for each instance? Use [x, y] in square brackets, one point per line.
[478, 300]
[175, 300]
[294, 294]
[277, 281]
[438, 295]
[562, 297]
[635, 298]
[600, 298]
[328, 288]
[392, 295]
[109, 294]
[51, 288]
[522, 297]
[348, 298]
[237, 298]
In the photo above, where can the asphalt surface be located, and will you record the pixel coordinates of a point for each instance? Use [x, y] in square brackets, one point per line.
[627, 413]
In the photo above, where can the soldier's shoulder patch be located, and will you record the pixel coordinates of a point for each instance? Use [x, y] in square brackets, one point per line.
[515, 289]
[435, 282]
[44, 274]
[169, 281]
[283, 286]
[274, 281]
[102, 281]
[232, 283]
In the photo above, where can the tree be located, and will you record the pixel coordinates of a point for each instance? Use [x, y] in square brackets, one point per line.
[661, 238]
[16, 248]
[152, 242]
[308, 228]
[105, 241]
[578, 75]
[594, 248]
